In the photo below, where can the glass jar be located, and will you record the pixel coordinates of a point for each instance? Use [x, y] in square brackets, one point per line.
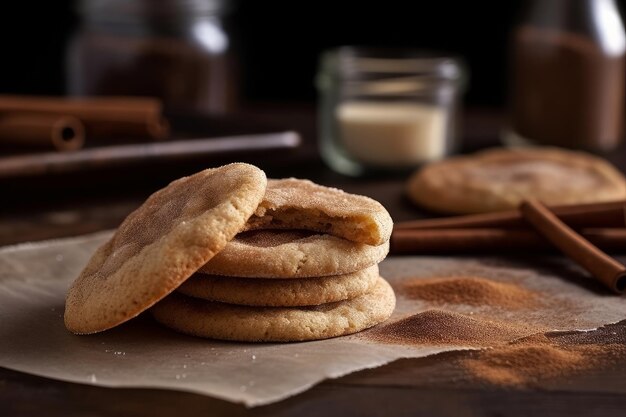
[384, 110]
[175, 50]
[567, 75]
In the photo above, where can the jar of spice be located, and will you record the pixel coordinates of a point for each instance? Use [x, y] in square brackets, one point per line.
[175, 50]
[384, 110]
[568, 75]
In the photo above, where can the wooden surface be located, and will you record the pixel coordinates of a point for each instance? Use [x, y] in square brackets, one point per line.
[436, 386]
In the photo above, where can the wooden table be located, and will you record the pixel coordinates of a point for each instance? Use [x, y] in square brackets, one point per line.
[434, 386]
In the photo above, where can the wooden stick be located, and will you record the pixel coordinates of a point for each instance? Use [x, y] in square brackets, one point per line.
[50, 163]
[605, 269]
[63, 133]
[607, 214]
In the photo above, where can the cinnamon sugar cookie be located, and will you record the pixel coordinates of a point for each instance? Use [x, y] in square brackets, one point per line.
[280, 292]
[500, 179]
[275, 324]
[301, 204]
[292, 254]
[176, 231]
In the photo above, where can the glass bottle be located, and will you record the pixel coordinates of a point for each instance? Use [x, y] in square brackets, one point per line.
[176, 50]
[567, 83]
[384, 110]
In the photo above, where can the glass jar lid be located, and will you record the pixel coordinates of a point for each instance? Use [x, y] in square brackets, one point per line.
[390, 71]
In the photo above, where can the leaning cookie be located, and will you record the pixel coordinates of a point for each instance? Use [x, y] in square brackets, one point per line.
[500, 179]
[301, 204]
[161, 244]
[292, 254]
[280, 292]
[275, 324]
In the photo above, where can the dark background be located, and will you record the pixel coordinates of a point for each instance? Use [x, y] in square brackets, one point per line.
[280, 41]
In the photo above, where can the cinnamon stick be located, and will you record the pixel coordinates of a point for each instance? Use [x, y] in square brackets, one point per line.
[609, 214]
[607, 239]
[63, 133]
[601, 266]
[492, 240]
[438, 241]
[102, 116]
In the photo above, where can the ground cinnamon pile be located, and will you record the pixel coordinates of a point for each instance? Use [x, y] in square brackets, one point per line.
[526, 362]
[515, 354]
[438, 327]
[469, 290]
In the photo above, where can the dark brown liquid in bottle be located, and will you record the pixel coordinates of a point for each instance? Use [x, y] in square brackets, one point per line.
[183, 75]
[175, 50]
[566, 90]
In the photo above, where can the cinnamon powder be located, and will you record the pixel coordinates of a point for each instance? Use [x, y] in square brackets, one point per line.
[469, 290]
[523, 363]
[527, 362]
[438, 327]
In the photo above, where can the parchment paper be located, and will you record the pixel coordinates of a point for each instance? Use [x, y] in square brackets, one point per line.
[33, 339]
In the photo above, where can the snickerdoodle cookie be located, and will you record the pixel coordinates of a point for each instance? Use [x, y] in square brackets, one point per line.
[301, 204]
[500, 179]
[292, 254]
[158, 246]
[280, 292]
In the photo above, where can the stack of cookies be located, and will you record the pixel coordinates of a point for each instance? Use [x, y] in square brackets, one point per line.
[245, 259]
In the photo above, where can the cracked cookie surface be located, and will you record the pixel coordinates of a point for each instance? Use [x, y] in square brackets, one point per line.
[292, 203]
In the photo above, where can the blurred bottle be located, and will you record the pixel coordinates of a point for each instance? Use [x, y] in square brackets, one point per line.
[176, 50]
[567, 75]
